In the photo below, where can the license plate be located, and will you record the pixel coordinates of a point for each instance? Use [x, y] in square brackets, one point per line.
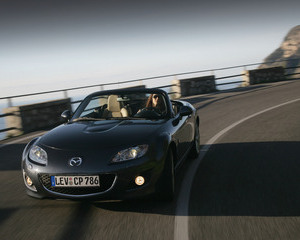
[75, 181]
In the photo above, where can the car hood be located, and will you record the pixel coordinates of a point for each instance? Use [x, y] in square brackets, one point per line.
[101, 134]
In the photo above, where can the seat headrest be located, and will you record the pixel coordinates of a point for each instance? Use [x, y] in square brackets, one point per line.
[112, 104]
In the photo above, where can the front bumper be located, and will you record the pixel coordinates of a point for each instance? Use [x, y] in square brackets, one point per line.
[118, 182]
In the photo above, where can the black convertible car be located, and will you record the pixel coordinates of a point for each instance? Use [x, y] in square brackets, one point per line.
[118, 144]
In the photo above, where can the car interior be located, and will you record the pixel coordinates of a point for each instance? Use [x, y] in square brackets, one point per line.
[119, 106]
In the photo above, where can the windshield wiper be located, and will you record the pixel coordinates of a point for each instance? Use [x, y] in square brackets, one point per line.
[111, 118]
[87, 119]
[125, 118]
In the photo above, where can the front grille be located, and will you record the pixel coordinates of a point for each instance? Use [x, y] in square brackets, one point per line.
[106, 181]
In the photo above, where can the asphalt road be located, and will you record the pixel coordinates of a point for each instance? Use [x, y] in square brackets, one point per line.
[246, 186]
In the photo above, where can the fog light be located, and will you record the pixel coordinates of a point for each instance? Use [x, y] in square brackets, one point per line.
[139, 180]
[29, 181]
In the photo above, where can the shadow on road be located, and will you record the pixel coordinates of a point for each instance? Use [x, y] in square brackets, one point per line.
[6, 213]
[11, 156]
[139, 206]
[77, 224]
[248, 179]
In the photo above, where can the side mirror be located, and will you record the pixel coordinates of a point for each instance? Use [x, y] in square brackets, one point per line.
[185, 111]
[66, 115]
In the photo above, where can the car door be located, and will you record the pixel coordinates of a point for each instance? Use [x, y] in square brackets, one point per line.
[184, 134]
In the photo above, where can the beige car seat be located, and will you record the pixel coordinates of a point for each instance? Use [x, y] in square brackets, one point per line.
[114, 108]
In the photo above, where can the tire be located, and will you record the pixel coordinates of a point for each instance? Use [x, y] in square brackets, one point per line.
[166, 187]
[195, 150]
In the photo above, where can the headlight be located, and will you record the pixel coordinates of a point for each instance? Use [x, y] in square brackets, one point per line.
[131, 153]
[38, 155]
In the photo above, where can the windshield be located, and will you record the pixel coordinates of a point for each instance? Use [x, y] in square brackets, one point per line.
[129, 105]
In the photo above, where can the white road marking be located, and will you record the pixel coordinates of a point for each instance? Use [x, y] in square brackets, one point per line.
[181, 231]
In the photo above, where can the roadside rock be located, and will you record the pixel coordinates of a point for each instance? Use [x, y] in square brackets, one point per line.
[288, 53]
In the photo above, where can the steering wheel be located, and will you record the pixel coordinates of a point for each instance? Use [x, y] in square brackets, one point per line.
[152, 109]
[149, 112]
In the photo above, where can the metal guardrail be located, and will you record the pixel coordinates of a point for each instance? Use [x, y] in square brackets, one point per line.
[65, 91]
[7, 129]
[141, 80]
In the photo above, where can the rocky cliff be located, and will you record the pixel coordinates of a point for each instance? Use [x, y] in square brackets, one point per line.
[288, 52]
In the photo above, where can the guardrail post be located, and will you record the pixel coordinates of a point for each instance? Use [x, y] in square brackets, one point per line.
[65, 94]
[101, 87]
[9, 102]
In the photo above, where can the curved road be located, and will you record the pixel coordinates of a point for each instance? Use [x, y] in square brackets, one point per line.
[245, 186]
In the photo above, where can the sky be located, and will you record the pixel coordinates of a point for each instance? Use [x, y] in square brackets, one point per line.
[49, 45]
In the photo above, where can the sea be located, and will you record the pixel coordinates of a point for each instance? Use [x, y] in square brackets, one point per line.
[2, 122]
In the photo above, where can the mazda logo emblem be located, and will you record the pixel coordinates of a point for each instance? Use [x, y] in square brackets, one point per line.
[75, 161]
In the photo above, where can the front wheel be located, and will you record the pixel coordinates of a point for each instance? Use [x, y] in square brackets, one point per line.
[166, 187]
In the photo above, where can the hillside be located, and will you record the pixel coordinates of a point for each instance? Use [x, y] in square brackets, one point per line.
[289, 50]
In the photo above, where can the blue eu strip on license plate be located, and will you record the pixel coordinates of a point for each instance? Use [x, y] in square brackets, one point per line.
[75, 181]
[52, 181]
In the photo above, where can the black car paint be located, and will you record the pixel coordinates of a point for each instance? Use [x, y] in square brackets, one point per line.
[98, 141]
